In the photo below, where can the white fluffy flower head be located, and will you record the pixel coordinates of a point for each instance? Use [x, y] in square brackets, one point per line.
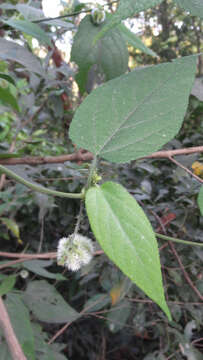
[74, 251]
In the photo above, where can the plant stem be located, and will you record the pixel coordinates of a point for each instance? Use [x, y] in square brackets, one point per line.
[39, 188]
[91, 172]
[185, 242]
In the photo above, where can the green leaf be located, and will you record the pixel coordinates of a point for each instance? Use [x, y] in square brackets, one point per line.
[12, 226]
[8, 99]
[12, 51]
[110, 54]
[7, 78]
[126, 8]
[97, 302]
[19, 317]
[135, 41]
[31, 29]
[7, 284]
[47, 304]
[135, 114]
[117, 317]
[200, 200]
[37, 267]
[195, 7]
[8, 156]
[126, 236]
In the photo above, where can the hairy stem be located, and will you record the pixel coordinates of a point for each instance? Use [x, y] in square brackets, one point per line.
[185, 242]
[39, 188]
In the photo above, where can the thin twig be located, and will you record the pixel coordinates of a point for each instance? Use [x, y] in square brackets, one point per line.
[27, 257]
[83, 155]
[186, 169]
[70, 14]
[11, 339]
[187, 278]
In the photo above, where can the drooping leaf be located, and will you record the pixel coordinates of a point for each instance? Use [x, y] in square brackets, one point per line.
[195, 7]
[134, 40]
[19, 317]
[47, 304]
[37, 267]
[15, 52]
[7, 284]
[200, 200]
[12, 226]
[109, 54]
[7, 78]
[126, 236]
[8, 99]
[31, 29]
[135, 114]
[126, 8]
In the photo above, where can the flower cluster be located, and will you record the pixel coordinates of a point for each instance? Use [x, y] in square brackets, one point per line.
[74, 251]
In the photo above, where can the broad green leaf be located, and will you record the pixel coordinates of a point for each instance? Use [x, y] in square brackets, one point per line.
[7, 284]
[126, 8]
[110, 54]
[135, 114]
[134, 40]
[200, 200]
[12, 226]
[12, 51]
[7, 78]
[126, 236]
[195, 7]
[31, 29]
[37, 267]
[8, 99]
[47, 304]
[19, 317]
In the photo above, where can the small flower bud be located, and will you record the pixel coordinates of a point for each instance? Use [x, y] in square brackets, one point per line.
[98, 16]
[24, 274]
[74, 251]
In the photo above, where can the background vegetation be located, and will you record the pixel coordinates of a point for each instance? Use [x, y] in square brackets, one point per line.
[95, 313]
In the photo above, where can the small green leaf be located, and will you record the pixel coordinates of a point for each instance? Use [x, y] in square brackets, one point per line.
[134, 115]
[117, 317]
[126, 236]
[9, 156]
[200, 200]
[31, 29]
[8, 99]
[135, 41]
[47, 304]
[96, 303]
[37, 267]
[195, 7]
[7, 284]
[12, 226]
[7, 78]
[110, 54]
